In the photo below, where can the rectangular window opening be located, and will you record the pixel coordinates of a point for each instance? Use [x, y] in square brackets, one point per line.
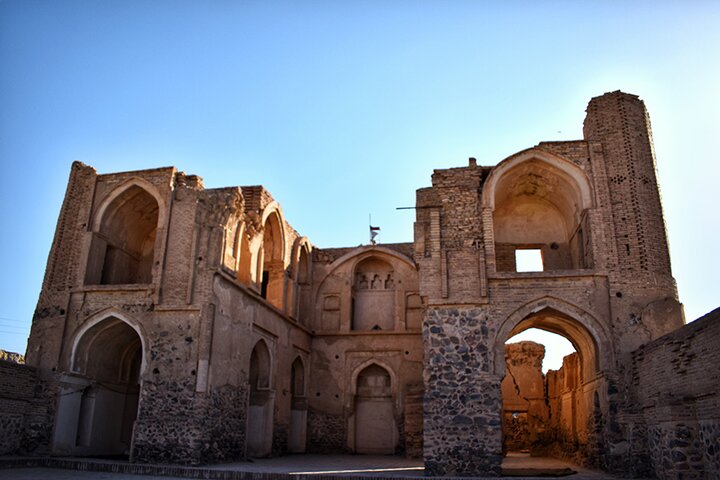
[528, 260]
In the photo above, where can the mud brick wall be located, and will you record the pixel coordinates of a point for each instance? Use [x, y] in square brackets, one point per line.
[675, 384]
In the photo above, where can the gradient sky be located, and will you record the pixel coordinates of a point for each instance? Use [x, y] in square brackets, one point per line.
[342, 109]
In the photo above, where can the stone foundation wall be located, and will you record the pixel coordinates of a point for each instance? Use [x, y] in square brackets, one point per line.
[463, 403]
[673, 382]
[177, 425]
[326, 433]
[26, 410]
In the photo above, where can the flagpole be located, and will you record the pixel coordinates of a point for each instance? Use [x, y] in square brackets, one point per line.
[370, 227]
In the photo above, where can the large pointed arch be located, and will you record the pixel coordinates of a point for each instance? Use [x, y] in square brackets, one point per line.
[120, 189]
[98, 404]
[590, 338]
[574, 174]
[539, 202]
[362, 253]
[98, 318]
[127, 229]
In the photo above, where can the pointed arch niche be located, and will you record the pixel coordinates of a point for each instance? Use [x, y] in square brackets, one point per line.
[123, 244]
[260, 409]
[375, 426]
[299, 289]
[271, 260]
[98, 405]
[539, 202]
[373, 301]
[298, 407]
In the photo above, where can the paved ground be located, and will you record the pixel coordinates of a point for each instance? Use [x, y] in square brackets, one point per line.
[341, 465]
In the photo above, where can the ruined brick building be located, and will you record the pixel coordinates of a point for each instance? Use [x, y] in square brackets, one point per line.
[183, 324]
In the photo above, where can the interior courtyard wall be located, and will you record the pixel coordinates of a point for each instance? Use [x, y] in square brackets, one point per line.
[340, 353]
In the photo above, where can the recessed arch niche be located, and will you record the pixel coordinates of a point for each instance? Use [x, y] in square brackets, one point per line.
[261, 401]
[297, 431]
[375, 426]
[271, 261]
[123, 245]
[98, 407]
[373, 301]
[539, 202]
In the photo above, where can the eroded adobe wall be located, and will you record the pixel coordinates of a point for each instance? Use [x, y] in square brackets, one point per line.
[673, 399]
[525, 407]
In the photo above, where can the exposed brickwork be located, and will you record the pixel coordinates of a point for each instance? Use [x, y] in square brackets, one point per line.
[207, 329]
[606, 281]
[673, 383]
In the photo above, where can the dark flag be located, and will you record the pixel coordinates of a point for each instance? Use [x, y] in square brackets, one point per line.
[374, 231]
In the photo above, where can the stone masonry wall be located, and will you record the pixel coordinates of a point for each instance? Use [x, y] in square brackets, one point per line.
[26, 410]
[462, 424]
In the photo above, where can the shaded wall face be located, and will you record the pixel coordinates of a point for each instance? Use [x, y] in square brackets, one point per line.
[366, 312]
[672, 391]
[98, 407]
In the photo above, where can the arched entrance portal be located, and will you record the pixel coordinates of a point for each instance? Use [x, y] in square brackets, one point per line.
[375, 429]
[98, 404]
[557, 413]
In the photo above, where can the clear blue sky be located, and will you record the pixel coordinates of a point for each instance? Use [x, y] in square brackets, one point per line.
[341, 109]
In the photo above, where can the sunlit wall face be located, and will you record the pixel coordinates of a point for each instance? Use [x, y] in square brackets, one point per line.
[556, 346]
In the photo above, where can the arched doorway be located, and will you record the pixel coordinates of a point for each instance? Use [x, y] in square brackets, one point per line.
[98, 405]
[375, 429]
[260, 410]
[554, 413]
[298, 408]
